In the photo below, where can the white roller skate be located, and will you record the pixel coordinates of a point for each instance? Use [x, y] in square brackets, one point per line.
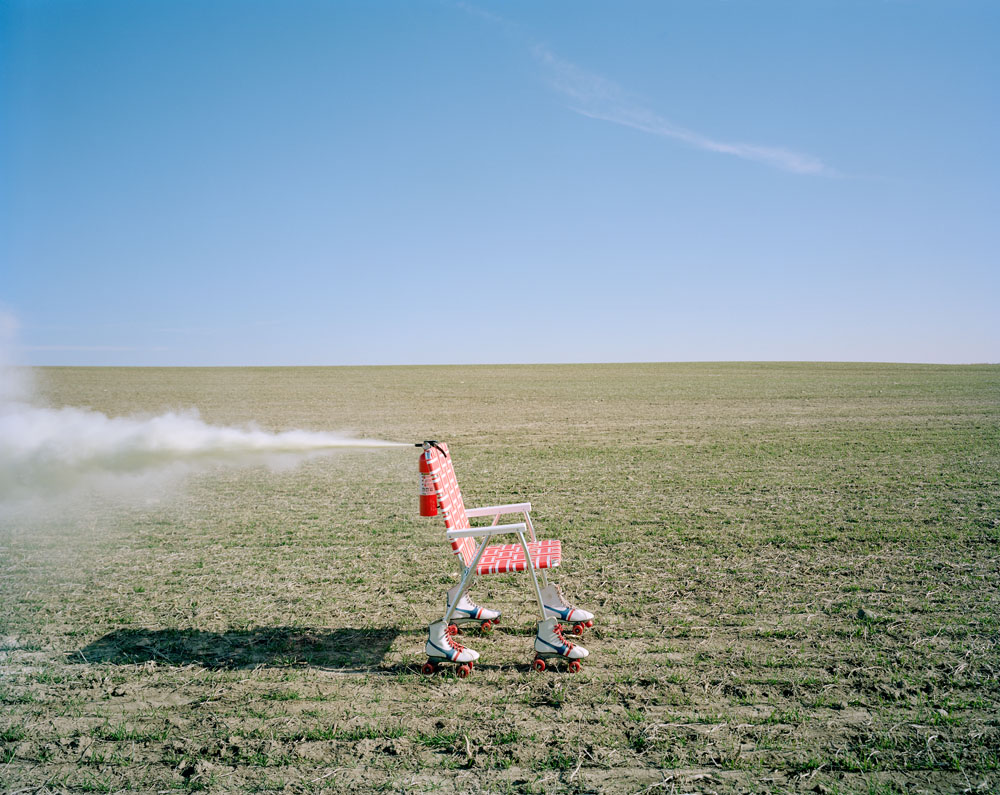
[557, 607]
[441, 648]
[550, 643]
[468, 612]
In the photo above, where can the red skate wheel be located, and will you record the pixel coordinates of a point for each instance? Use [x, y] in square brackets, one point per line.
[573, 667]
[454, 630]
[538, 664]
[487, 626]
[464, 671]
[428, 668]
[577, 629]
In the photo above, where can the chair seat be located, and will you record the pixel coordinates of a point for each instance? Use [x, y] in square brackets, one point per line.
[504, 558]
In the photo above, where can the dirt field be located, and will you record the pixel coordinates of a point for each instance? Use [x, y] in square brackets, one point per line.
[794, 570]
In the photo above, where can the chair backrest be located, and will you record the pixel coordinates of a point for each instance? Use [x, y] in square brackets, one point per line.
[449, 500]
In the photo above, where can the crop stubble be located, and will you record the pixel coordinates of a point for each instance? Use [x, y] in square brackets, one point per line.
[794, 569]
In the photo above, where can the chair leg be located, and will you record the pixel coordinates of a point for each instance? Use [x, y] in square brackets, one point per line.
[466, 581]
[534, 577]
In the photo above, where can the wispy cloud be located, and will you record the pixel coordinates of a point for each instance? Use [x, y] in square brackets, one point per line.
[597, 97]
[236, 327]
[87, 348]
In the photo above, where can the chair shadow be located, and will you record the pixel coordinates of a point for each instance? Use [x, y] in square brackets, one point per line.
[342, 649]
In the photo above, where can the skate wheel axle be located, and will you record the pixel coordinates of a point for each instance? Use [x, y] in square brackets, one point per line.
[539, 664]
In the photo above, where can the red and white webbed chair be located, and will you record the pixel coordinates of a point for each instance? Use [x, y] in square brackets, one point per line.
[476, 555]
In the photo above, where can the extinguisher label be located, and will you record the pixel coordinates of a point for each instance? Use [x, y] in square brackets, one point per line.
[427, 484]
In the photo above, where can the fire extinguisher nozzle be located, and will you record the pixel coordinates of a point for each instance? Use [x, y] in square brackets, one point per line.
[431, 443]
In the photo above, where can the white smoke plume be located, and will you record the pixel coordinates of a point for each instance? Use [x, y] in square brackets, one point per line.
[49, 455]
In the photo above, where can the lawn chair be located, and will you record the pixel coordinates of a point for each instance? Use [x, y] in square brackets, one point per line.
[439, 492]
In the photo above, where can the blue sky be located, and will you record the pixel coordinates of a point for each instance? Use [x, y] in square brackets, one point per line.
[243, 183]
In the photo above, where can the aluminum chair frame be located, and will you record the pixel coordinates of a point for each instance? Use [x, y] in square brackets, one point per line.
[523, 530]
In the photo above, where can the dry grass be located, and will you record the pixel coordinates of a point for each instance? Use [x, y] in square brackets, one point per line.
[794, 569]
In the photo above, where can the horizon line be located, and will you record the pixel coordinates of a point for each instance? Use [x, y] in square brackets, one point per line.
[506, 364]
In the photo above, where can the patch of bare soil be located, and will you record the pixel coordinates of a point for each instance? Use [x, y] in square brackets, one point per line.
[793, 569]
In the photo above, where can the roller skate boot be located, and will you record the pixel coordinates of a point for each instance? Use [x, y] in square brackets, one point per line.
[468, 612]
[441, 648]
[557, 607]
[550, 645]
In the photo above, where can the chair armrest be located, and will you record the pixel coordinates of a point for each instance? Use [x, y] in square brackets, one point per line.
[519, 507]
[480, 532]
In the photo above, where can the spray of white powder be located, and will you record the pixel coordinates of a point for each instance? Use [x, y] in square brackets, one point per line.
[47, 454]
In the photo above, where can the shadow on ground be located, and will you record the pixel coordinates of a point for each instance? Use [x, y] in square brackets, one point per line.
[270, 646]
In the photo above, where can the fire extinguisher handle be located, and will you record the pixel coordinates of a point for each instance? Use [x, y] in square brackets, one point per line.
[431, 443]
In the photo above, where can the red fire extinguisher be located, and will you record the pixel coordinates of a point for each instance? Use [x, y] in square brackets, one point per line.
[428, 493]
